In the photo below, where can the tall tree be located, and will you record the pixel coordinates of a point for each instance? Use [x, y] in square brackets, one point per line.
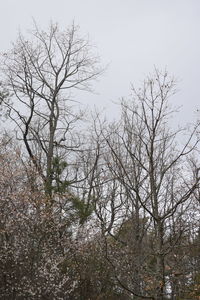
[41, 74]
[145, 175]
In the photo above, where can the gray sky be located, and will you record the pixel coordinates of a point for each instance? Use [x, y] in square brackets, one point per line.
[131, 35]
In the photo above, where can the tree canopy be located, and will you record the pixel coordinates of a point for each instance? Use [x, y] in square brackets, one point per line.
[107, 212]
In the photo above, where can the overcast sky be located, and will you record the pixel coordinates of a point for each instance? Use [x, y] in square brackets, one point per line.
[132, 36]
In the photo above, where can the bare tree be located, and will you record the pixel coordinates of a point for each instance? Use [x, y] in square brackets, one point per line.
[41, 74]
[151, 168]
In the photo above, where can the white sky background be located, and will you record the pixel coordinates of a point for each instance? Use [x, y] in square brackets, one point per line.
[132, 36]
